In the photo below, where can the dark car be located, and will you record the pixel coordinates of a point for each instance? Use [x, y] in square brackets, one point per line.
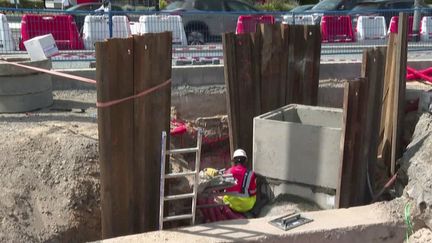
[330, 7]
[386, 8]
[333, 5]
[302, 8]
[81, 10]
[205, 20]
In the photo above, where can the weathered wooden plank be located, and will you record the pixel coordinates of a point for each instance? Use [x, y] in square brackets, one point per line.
[294, 76]
[348, 143]
[284, 64]
[373, 71]
[230, 74]
[400, 86]
[242, 79]
[256, 69]
[270, 66]
[310, 63]
[304, 49]
[114, 74]
[246, 85]
[387, 103]
[152, 67]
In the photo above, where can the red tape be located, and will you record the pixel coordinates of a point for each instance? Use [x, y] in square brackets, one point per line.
[91, 81]
[65, 75]
[143, 93]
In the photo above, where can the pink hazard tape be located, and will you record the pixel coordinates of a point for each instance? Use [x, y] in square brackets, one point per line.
[92, 81]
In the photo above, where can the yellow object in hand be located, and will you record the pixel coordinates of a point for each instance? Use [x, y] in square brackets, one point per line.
[212, 172]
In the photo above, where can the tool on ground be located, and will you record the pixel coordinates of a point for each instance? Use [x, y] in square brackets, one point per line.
[290, 221]
[195, 173]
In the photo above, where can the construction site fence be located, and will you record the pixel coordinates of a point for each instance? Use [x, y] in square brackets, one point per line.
[197, 35]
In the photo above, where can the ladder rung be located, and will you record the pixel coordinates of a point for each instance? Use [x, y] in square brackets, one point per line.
[181, 174]
[178, 217]
[182, 151]
[179, 196]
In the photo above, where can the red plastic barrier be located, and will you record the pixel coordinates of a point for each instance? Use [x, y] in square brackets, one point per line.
[62, 27]
[393, 28]
[248, 23]
[336, 29]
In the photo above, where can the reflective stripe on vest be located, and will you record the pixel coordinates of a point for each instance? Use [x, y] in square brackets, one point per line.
[246, 183]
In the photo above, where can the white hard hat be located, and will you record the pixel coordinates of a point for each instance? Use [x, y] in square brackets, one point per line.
[239, 153]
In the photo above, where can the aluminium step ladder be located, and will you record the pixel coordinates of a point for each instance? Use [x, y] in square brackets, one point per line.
[195, 173]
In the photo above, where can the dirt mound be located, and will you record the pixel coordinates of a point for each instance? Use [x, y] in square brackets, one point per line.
[50, 172]
[50, 182]
[414, 180]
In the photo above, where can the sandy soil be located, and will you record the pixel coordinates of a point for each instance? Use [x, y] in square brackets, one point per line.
[49, 183]
[421, 236]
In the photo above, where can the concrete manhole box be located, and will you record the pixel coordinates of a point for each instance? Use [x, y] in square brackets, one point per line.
[300, 145]
[23, 90]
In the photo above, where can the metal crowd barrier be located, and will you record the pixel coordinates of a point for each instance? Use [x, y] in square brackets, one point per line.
[197, 35]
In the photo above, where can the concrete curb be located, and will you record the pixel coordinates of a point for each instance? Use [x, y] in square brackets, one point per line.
[355, 225]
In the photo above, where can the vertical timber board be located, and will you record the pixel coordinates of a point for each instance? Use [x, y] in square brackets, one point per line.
[284, 64]
[114, 74]
[373, 72]
[270, 66]
[348, 143]
[400, 86]
[310, 64]
[230, 74]
[152, 66]
[256, 69]
[246, 87]
[387, 103]
[296, 53]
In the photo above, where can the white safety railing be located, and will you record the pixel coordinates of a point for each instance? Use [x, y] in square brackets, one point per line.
[7, 42]
[161, 23]
[426, 28]
[298, 19]
[371, 28]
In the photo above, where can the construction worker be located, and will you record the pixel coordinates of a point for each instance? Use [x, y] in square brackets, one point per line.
[239, 199]
[242, 197]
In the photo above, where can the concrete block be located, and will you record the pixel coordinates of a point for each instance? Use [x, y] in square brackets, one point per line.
[24, 90]
[25, 102]
[299, 144]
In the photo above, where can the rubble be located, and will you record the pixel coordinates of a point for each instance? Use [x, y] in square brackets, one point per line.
[415, 174]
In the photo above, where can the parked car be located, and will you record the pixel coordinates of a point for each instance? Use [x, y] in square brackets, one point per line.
[206, 20]
[386, 8]
[302, 8]
[330, 6]
[333, 5]
[81, 10]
